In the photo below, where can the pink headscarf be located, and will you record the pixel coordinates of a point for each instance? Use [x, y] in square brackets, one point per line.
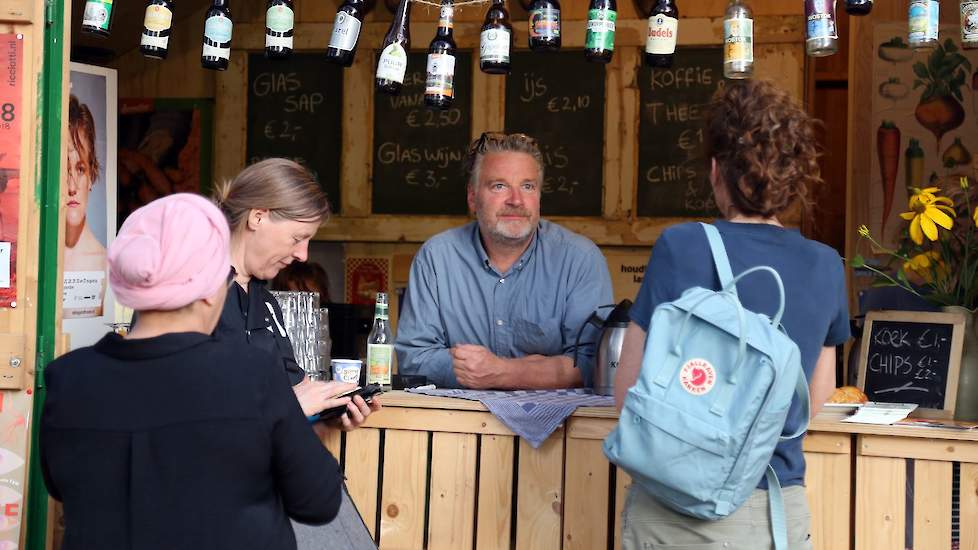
[170, 253]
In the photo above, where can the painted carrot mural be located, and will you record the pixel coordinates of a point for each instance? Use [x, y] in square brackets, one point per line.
[888, 150]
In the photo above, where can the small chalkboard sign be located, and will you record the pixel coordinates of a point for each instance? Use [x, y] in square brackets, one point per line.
[294, 110]
[912, 357]
[419, 152]
[673, 175]
[558, 98]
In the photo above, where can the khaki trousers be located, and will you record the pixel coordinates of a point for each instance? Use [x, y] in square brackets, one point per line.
[647, 525]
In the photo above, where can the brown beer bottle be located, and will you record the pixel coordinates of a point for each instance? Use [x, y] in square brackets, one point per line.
[346, 32]
[496, 40]
[157, 23]
[660, 45]
[439, 88]
[216, 50]
[544, 25]
[279, 29]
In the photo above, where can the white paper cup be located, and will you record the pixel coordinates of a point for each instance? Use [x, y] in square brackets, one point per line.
[346, 370]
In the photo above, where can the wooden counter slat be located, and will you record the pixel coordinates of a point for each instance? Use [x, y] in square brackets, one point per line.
[362, 469]
[816, 442]
[590, 428]
[402, 506]
[495, 492]
[623, 483]
[436, 420]
[539, 494]
[881, 489]
[452, 501]
[585, 517]
[926, 449]
[932, 504]
[828, 487]
[819, 425]
[969, 506]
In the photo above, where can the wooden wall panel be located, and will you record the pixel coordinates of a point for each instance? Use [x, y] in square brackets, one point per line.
[495, 492]
[779, 52]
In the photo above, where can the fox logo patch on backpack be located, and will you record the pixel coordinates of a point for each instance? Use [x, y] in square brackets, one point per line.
[712, 395]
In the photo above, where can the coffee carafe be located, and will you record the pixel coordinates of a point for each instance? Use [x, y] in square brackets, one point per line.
[608, 345]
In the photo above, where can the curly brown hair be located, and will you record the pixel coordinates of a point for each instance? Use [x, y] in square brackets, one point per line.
[765, 147]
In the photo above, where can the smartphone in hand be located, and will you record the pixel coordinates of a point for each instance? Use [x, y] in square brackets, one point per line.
[367, 393]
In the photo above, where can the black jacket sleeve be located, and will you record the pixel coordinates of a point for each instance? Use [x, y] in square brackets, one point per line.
[307, 476]
[45, 433]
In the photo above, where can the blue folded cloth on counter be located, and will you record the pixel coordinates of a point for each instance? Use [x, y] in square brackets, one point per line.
[530, 414]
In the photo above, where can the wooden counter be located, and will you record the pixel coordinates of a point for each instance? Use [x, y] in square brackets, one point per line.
[437, 473]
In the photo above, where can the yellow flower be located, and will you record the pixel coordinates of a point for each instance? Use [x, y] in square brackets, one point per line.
[926, 265]
[976, 217]
[964, 182]
[864, 231]
[928, 210]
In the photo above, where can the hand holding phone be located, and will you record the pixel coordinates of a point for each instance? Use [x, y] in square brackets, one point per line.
[367, 393]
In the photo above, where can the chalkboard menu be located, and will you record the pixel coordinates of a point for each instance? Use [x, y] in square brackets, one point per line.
[673, 176]
[558, 98]
[419, 152]
[911, 357]
[294, 110]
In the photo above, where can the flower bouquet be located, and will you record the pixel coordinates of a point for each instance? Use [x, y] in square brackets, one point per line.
[939, 260]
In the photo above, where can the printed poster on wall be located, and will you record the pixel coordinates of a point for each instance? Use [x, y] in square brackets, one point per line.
[924, 124]
[11, 115]
[15, 406]
[88, 199]
[365, 277]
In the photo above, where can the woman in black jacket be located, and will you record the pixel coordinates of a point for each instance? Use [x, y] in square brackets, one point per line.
[168, 438]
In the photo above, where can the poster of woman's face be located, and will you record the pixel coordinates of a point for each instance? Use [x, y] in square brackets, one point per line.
[88, 200]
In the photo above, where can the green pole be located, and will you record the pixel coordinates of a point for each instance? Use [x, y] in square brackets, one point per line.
[48, 295]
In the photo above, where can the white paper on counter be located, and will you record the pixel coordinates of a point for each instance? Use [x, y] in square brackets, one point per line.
[881, 413]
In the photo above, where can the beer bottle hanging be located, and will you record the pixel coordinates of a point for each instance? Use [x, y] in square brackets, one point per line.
[217, 37]
[663, 32]
[439, 89]
[859, 7]
[495, 40]
[924, 16]
[97, 19]
[157, 23]
[544, 25]
[346, 31]
[279, 28]
[599, 39]
[821, 32]
[969, 25]
[393, 55]
[738, 41]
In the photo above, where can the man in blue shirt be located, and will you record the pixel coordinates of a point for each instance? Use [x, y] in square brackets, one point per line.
[498, 303]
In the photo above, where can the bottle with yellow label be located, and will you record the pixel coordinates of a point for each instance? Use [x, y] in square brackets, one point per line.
[380, 345]
[738, 41]
[157, 23]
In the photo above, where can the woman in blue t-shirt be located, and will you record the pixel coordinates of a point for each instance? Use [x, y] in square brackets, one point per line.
[763, 160]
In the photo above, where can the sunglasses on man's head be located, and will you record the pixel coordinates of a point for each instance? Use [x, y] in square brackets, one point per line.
[497, 138]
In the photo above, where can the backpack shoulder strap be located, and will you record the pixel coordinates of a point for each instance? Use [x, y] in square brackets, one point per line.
[719, 257]
[779, 527]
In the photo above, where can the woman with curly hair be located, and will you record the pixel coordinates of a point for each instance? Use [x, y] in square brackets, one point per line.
[763, 160]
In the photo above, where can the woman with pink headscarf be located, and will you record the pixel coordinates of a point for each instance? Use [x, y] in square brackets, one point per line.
[168, 438]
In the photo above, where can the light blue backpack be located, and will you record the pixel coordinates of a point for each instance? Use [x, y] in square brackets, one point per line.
[699, 427]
